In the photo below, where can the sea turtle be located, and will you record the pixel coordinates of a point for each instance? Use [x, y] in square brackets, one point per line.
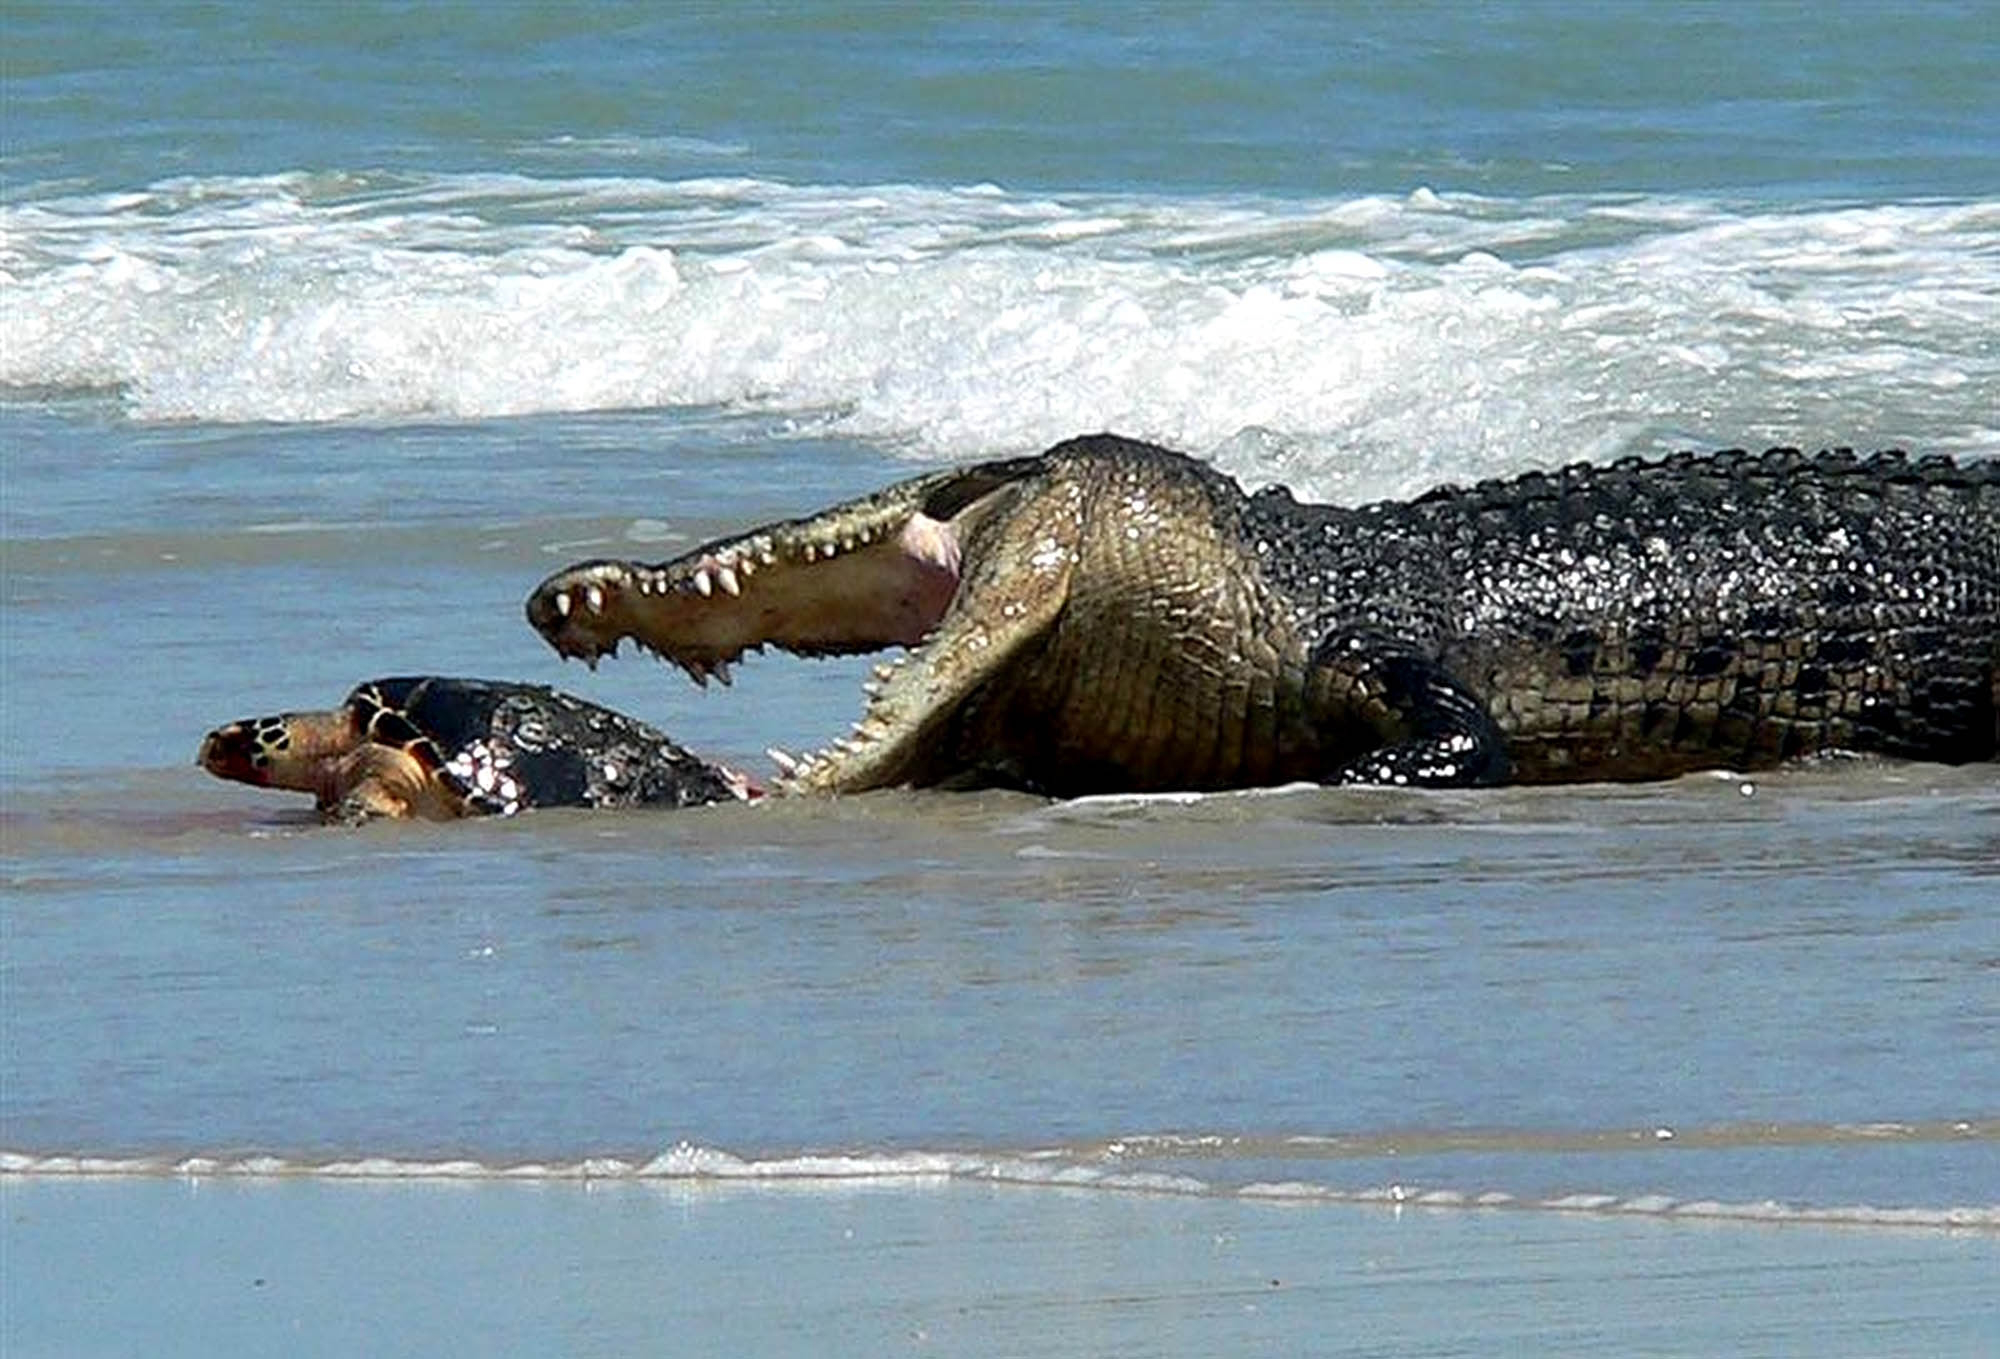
[440, 748]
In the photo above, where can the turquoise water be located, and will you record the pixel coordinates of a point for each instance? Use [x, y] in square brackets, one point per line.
[1779, 101]
[326, 332]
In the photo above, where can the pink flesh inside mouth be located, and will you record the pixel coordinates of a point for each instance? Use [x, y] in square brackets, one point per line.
[703, 612]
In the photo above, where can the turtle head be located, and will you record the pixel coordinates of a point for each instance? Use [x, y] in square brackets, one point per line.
[286, 750]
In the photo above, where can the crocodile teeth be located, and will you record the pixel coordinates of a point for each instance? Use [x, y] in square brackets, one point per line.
[594, 597]
[726, 578]
[787, 763]
[703, 585]
[563, 603]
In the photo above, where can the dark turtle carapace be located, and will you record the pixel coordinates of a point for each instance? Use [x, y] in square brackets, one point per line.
[440, 748]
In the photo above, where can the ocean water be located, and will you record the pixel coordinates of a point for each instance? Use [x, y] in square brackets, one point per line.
[326, 332]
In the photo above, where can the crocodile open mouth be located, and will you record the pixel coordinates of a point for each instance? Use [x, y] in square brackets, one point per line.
[888, 570]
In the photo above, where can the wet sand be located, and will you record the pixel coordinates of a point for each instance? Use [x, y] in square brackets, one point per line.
[201, 1267]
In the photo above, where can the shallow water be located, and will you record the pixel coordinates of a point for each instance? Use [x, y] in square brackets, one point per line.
[313, 1268]
[1717, 989]
[312, 366]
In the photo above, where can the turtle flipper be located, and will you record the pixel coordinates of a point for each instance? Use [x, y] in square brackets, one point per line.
[382, 781]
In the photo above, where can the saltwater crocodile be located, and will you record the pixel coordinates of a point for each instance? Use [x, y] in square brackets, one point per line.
[1113, 616]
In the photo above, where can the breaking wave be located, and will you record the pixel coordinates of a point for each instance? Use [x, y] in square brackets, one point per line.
[955, 322]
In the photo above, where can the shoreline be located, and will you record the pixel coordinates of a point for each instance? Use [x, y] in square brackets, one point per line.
[693, 1170]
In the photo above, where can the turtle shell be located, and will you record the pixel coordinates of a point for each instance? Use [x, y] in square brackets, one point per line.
[502, 747]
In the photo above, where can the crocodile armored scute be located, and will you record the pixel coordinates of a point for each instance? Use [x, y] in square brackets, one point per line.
[1734, 609]
[1113, 616]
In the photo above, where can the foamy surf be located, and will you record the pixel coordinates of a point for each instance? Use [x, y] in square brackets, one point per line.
[1147, 1165]
[1282, 336]
[917, 1171]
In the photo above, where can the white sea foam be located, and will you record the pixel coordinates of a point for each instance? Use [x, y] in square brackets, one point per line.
[688, 1165]
[1468, 334]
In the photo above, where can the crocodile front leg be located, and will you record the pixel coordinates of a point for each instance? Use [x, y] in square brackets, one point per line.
[1399, 719]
